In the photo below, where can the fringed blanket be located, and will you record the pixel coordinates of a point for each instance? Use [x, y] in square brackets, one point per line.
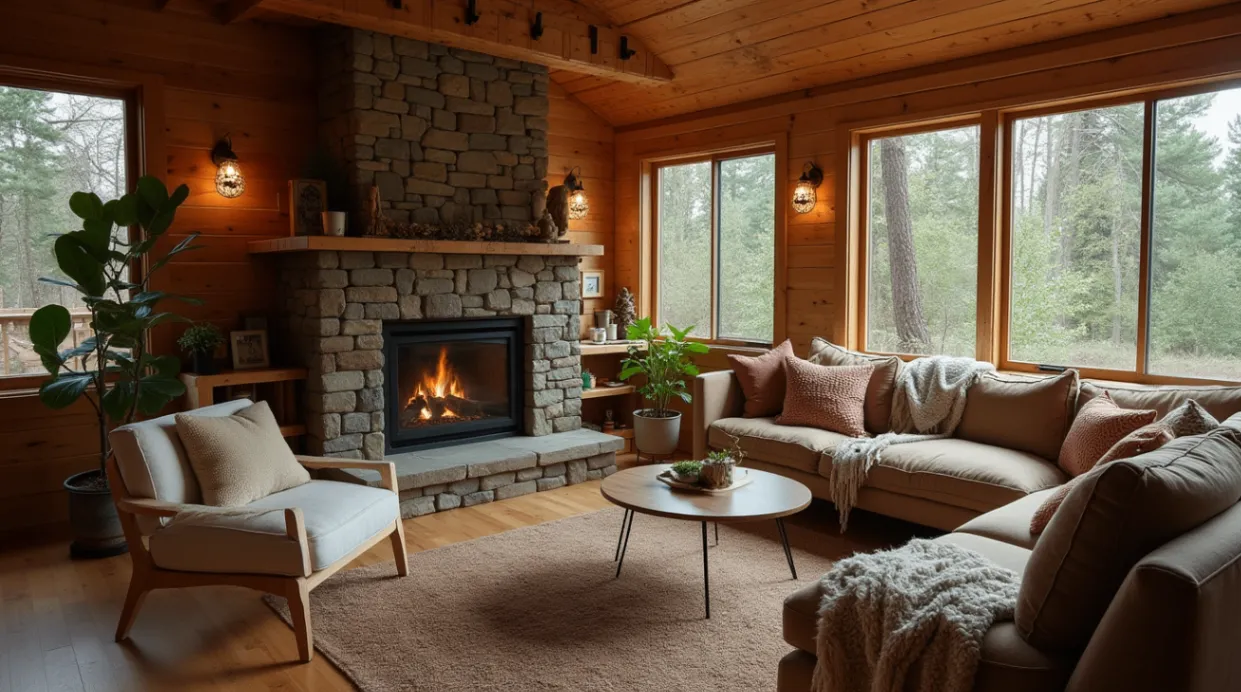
[927, 603]
[927, 404]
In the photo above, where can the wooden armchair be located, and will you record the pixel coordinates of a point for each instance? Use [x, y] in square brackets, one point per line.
[285, 544]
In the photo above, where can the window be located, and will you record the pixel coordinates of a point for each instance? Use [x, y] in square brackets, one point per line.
[922, 242]
[51, 145]
[715, 246]
[1110, 232]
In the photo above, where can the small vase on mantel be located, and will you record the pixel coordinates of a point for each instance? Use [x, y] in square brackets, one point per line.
[335, 223]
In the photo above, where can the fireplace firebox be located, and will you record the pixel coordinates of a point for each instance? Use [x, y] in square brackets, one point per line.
[451, 381]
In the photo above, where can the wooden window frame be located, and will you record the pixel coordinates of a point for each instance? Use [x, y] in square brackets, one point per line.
[994, 306]
[142, 94]
[715, 159]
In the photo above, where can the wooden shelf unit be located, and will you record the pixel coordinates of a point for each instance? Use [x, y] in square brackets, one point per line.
[277, 386]
[311, 243]
[602, 391]
[610, 348]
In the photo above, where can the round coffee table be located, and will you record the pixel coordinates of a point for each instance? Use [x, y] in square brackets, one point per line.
[766, 496]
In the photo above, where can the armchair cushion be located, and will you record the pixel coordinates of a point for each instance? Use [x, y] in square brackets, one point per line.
[239, 458]
[253, 540]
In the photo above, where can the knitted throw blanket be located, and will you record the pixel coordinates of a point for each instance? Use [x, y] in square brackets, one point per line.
[927, 404]
[913, 615]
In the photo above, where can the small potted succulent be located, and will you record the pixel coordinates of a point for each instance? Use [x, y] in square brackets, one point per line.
[717, 469]
[686, 471]
[200, 342]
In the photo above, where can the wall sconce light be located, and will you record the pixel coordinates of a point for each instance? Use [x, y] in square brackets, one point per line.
[229, 181]
[578, 204]
[804, 196]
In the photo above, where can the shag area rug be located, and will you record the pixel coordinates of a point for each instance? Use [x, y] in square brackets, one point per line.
[538, 608]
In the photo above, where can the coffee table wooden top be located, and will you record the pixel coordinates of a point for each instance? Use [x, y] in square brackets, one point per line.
[767, 496]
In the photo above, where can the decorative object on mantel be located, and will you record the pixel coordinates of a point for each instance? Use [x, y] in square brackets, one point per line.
[547, 227]
[804, 196]
[118, 386]
[579, 206]
[249, 349]
[307, 202]
[603, 318]
[323, 165]
[200, 341]
[598, 335]
[558, 205]
[335, 223]
[592, 283]
[624, 311]
[666, 366]
[611, 331]
[381, 226]
[229, 181]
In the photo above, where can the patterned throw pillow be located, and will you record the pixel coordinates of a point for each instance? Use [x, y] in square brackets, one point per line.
[1099, 425]
[824, 396]
[762, 380]
[1189, 419]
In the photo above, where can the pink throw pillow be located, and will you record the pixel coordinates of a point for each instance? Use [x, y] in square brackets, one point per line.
[762, 380]
[1099, 425]
[824, 396]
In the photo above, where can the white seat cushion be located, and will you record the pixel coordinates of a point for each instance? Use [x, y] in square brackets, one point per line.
[339, 517]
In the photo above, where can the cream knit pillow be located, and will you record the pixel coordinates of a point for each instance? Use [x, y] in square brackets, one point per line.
[239, 458]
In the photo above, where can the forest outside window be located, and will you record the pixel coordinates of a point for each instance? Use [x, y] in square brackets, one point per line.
[51, 145]
[715, 246]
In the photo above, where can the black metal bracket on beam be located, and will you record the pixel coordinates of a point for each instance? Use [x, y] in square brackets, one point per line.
[594, 40]
[625, 53]
[536, 29]
[471, 13]
[395, 4]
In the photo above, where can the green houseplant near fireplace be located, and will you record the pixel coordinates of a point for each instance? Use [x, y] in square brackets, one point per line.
[111, 369]
[666, 365]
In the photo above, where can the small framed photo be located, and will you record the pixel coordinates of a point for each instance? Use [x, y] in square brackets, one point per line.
[307, 202]
[592, 283]
[249, 349]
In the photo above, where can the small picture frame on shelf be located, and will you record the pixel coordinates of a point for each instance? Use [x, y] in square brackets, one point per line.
[592, 283]
[307, 202]
[249, 349]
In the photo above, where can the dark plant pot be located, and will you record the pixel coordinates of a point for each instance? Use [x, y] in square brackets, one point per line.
[203, 363]
[92, 516]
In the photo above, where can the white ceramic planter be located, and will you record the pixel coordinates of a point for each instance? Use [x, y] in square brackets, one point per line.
[656, 435]
[335, 223]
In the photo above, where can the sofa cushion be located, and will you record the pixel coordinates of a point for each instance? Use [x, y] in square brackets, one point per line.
[791, 446]
[1189, 419]
[825, 396]
[338, 516]
[1110, 521]
[1099, 425]
[1219, 401]
[879, 392]
[960, 473]
[1029, 414]
[762, 379]
[1010, 523]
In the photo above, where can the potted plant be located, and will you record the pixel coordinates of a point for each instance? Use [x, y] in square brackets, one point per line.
[686, 471]
[111, 369]
[200, 341]
[665, 364]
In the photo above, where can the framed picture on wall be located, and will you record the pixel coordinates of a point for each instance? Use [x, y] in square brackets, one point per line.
[249, 349]
[592, 283]
[307, 202]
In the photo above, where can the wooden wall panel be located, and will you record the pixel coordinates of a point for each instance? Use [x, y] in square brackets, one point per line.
[1153, 54]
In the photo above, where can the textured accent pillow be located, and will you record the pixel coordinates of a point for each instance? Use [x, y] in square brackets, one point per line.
[879, 391]
[1122, 512]
[1028, 414]
[1189, 419]
[239, 458]
[762, 380]
[1099, 424]
[825, 396]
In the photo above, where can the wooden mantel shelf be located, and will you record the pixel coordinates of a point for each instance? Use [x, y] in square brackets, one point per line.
[450, 247]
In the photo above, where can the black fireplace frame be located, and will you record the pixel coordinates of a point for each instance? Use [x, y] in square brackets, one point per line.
[508, 330]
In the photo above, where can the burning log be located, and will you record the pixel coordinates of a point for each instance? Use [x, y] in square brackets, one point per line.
[466, 408]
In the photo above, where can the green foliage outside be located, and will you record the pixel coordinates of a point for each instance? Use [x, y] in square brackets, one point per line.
[665, 364]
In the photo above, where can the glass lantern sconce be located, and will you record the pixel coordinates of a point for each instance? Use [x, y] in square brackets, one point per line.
[229, 181]
[578, 204]
[804, 196]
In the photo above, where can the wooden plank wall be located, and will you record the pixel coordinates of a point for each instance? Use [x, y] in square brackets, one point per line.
[1190, 47]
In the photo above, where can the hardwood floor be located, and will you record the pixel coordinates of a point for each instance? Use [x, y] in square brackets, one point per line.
[57, 616]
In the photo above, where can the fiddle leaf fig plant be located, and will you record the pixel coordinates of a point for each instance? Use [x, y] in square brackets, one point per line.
[665, 364]
[112, 368]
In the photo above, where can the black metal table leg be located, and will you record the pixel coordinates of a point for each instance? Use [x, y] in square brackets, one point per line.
[621, 535]
[624, 544]
[788, 553]
[717, 533]
[706, 574]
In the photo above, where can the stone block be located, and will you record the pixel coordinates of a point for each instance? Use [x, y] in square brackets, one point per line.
[445, 501]
[430, 170]
[334, 344]
[442, 305]
[500, 94]
[330, 302]
[577, 471]
[324, 426]
[550, 483]
[443, 139]
[481, 281]
[370, 399]
[463, 261]
[522, 306]
[426, 187]
[464, 486]
[416, 507]
[382, 311]
[374, 378]
[373, 446]
[357, 260]
[359, 360]
[530, 105]
[484, 141]
[429, 287]
[410, 307]
[476, 161]
[337, 382]
[521, 278]
[478, 498]
[373, 122]
[354, 311]
[426, 261]
[418, 96]
[329, 278]
[601, 460]
[530, 474]
[465, 105]
[343, 443]
[497, 480]
[355, 327]
[404, 279]
[594, 474]
[499, 300]
[557, 469]
[516, 490]
[454, 85]
[531, 263]
[536, 423]
[355, 422]
[469, 180]
[473, 123]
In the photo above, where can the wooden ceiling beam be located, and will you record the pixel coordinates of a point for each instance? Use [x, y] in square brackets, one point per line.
[502, 30]
[235, 11]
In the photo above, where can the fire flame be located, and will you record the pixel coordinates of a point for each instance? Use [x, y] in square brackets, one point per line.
[443, 382]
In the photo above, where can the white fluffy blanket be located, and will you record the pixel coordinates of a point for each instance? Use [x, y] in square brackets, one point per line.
[927, 602]
[927, 403]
